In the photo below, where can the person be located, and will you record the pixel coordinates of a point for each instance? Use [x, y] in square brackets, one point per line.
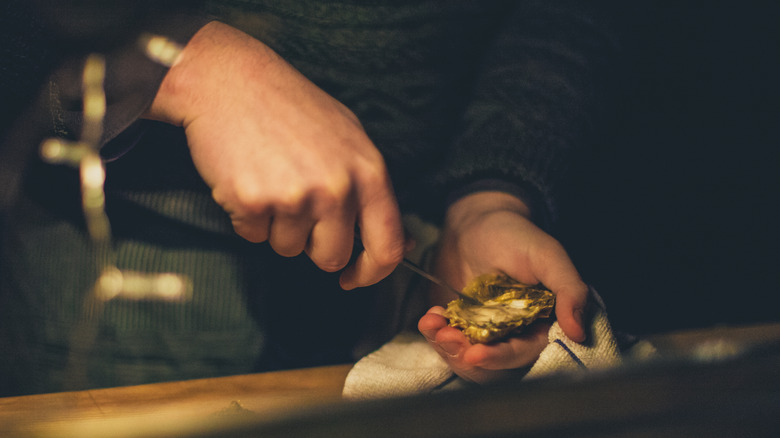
[296, 127]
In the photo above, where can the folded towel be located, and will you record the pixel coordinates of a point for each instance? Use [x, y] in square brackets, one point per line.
[563, 355]
[405, 365]
[408, 365]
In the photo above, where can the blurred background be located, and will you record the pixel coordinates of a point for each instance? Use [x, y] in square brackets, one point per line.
[674, 219]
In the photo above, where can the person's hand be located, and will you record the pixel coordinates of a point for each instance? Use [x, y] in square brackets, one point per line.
[490, 232]
[287, 162]
[481, 362]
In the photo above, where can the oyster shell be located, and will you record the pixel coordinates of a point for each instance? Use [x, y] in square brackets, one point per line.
[506, 306]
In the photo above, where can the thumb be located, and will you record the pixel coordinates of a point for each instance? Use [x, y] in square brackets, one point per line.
[571, 293]
[570, 304]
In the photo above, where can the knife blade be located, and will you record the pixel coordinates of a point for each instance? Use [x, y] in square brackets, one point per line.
[408, 264]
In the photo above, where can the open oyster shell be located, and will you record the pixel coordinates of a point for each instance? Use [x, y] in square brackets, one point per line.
[506, 306]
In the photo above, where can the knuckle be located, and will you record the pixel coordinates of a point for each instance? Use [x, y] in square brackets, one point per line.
[334, 193]
[375, 168]
[553, 250]
[338, 188]
[392, 255]
[245, 198]
[292, 200]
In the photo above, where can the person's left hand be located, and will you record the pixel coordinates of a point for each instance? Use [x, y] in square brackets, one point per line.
[482, 362]
[489, 232]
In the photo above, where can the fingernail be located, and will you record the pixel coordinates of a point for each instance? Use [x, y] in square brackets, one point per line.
[436, 310]
[578, 315]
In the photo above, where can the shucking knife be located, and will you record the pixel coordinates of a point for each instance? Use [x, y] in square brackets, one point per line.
[408, 264]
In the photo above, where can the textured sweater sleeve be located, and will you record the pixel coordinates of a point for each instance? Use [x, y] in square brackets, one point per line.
[536, 103]
[43, 56]
[131, 80]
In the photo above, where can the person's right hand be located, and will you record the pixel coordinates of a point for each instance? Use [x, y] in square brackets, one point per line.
[287, 162]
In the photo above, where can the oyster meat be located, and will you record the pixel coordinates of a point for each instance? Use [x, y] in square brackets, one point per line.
[506, 306]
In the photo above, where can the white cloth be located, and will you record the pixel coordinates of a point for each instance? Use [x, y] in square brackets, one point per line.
[563, 355]
[408, 365]
[403, 366]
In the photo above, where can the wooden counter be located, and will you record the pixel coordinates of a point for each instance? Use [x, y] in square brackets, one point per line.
[187, 408]
[170, 402]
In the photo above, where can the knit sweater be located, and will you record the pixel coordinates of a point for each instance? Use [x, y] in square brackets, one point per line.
[458, 96]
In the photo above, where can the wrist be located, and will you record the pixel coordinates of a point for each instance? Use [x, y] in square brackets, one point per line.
[528, 195]
[172, 100]
[212, 57]
[478, 204]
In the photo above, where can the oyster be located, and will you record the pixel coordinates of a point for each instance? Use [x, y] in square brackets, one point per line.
[506, 306]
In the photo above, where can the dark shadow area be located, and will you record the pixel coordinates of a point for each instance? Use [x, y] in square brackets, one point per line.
[674, 219]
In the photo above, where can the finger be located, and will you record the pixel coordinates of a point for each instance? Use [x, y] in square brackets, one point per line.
[447, 341]
[571, 293]
[382, 236]
[569, 310]
[514, 352]
[431, 323]
[289, 234]
[570, 301]
[330, 243]
[452, 346]
[451, 343]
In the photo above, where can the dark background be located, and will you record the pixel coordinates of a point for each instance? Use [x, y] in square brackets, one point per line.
[674, 220]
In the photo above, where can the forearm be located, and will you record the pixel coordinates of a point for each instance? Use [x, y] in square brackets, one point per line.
[213, 56]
